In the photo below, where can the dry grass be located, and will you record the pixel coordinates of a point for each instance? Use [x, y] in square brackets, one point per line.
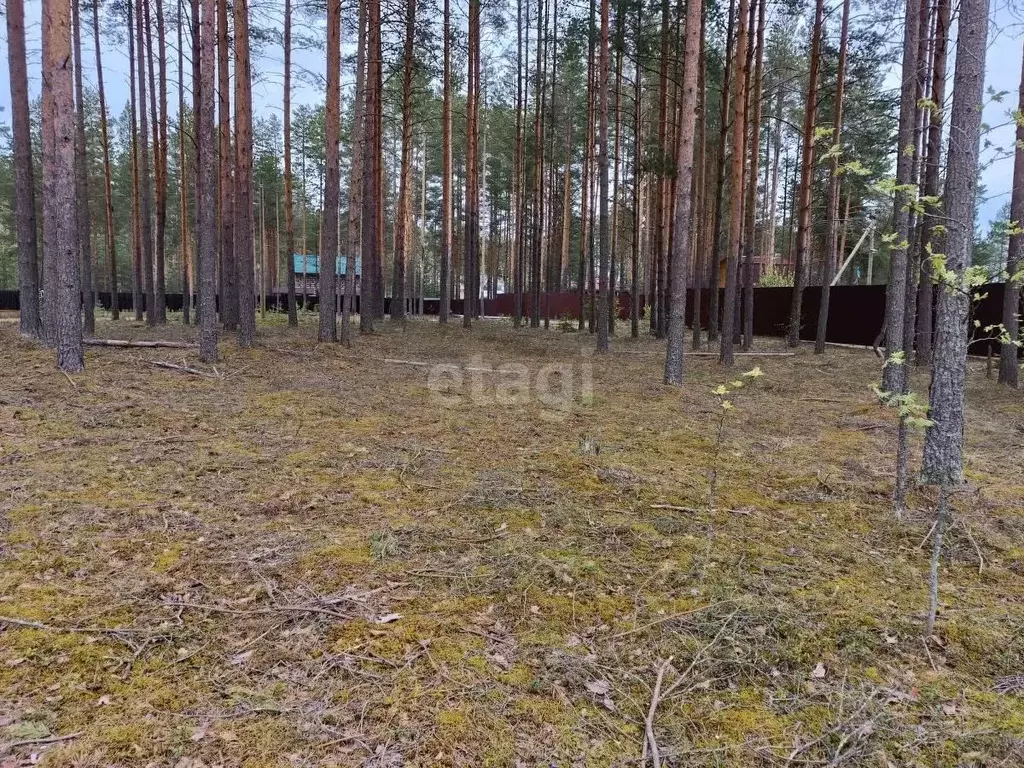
[307, 560]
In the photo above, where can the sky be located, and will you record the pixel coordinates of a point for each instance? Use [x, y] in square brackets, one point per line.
[1003, 73]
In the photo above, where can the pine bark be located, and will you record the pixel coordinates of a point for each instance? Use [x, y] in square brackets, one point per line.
[446, 162]
[751, 204]
[206, 187]
[932, 185]
[1009, 364]
[145, 186]
[289, 203]
[803, 204]
[894, 375]
[243, 234]
[355, 188]
[831, 237]
[228, 281]
[683, 238]
[30, 322]
[371, 234]
[604, 235]
[700, 183]
[739, 133]
[59, 166]
[585, 173]
[719, 245]
[137, 300]
[398, 286]
[634, 289]
[944, 440]
[184, 239]
[82, 178]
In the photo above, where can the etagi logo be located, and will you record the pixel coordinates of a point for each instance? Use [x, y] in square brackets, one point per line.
[555, 386]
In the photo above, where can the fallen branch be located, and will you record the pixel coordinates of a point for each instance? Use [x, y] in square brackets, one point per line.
[126, 343]
[663, 619]
[86, 630]
[183, 368]
[47, 740]
[650, 741]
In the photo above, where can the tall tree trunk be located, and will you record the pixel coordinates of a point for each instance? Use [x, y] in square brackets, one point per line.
[700, 183]
[82, 178]
[620, 42]
[289, 204]
[398, 285]
[831, 238]
[803, 205]
[159, 151]
[146, 192]
[328, 227]
[751, 204]
[355, 187]
[739, 132]
[773, 195]
[59, 166]
[932, 184]
[1009, 365]
[683, 238]
[894, 375]
[588, 150]
[196, 24]
[471, 245]
[604, 237]
[136, 193]
[446, 162]
[227, 282]
[634, 289]
[719, 231]
[538, 170]
[944, 439]
[206, 199]
[183, 245]
[660, 233]
[30, 322]
[243, 234]
[370, 228]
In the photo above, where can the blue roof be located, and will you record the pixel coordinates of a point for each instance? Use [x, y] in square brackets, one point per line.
[310, 264]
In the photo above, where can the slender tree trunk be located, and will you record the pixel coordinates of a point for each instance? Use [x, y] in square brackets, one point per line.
[355, 188]
[1009, 365]
[30, 322]
[604, 236]
[773, 196]
[59, 166]
[183, 246]
[613, 307]
[228, 282]
[206, 198]
[894, 375]
[405, 182]
[739, 100]
[700, 184]
[82, 178]
[751, 209]
[137, 300]
[538, 171]
[932, 184]
[831, 238]
[803, 205]
[634, 301]
[585, 173]
[660, 233]
[328, 226]
[719, 231]
[683, 238]
[944, 439]
[289, 209]
[446, 163]
[243, 234]
[159, 89]
[471, 245]
[371, 179]
[146, 193]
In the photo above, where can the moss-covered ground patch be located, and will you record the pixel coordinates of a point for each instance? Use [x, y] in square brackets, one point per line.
[313, 561]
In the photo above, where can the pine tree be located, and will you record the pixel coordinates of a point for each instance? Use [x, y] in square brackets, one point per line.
[1009, 365]
[289, 203]
[446, 161]
[82, 179]
[243, 234]
[206, 187]
[30, 323]
[145, 186]
[227, 279]
[59, 183]
[398, 289]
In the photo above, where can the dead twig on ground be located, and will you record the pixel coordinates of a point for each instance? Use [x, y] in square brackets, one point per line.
[650, 742]
[82, 630]
[45, 740]
[664, 619]
[146, 344]
[183, 368]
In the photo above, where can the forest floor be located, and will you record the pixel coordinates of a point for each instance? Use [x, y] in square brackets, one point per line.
[312, 557]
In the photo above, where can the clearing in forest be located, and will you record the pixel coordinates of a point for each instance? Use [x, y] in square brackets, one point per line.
[314, 556]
